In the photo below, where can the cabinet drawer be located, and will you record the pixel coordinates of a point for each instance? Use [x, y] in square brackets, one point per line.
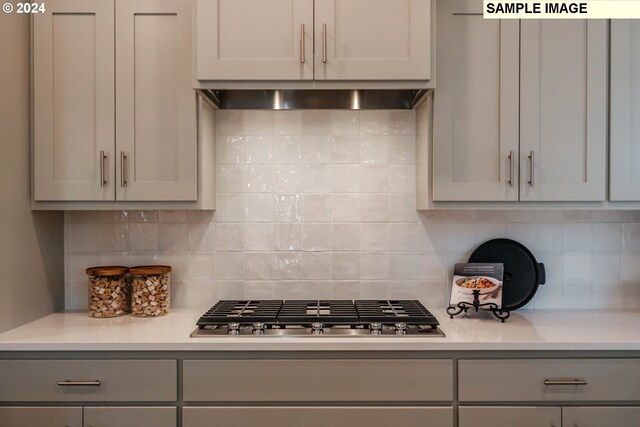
[318, 380]
[601, 416]
[500, 416]
[120, 380]
[524, 379]
[126, 416]
[40, 417]
[319, 417]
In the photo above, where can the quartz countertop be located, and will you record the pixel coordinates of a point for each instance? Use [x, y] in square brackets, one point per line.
[551, 330]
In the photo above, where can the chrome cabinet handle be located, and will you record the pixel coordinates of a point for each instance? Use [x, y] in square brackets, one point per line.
[564, 381]
[103, 159]
[531, 173]
[324, 43]
[302, 45]
[123, 168]
[69, 383]
[511, 167]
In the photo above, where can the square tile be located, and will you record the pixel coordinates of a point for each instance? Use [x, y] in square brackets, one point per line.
[287, 237]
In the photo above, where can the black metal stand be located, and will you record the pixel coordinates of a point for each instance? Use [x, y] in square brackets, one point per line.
[462, 307]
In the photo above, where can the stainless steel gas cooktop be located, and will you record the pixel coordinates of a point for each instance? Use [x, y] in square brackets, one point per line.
[318, 318]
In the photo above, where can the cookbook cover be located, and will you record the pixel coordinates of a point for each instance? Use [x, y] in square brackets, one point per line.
[484, 277]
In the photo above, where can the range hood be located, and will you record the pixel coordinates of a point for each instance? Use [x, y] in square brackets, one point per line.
[300, 99]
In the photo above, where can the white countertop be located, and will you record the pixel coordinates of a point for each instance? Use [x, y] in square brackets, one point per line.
[524, 330]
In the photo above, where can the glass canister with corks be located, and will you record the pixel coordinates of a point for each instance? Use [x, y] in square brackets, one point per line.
[108, 291]
[150, 290]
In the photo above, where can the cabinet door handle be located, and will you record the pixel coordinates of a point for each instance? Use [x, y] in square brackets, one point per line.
[511, 167]
[531, 173]
[302, 45]
[564, 381]
[123, 169]
[103, 159]
[324, 43]
[69, 383]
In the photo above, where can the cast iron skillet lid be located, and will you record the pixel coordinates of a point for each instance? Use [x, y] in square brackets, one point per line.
[522, 273]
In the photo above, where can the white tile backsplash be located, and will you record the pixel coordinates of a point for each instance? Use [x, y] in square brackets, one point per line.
[321, 204]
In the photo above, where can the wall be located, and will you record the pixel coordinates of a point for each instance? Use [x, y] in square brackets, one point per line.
[320, 204]
[31, 248]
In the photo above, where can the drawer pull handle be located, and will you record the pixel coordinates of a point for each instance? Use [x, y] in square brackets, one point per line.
[564, 381]
[69, 383]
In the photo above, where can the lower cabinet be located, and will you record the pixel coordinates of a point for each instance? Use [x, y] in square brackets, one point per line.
[130, 416]
[555, 416]
[108, 416]
[318, 417]
[502, 416]
[601, 416]
[40, 417]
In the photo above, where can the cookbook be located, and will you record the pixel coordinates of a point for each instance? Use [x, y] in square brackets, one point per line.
[484, 278]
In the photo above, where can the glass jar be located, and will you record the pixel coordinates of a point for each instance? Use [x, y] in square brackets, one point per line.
[150, 287]
[108, 291]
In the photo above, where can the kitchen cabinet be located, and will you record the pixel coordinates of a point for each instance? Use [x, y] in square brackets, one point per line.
[549, 380]
[542, 416]
[303, 40]
[319, 417]
[475, 105]
[16, 416]
[111, 416]
[624, 173]
[109, 380]
[600, 416]
[520, 110]
[499, 416]
[114, 124]
[333, 380]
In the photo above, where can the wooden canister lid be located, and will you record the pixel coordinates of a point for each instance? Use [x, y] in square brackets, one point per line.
[150, 269]
[107, 270]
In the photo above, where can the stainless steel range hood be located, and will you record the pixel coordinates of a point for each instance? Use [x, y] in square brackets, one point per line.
[300, 99]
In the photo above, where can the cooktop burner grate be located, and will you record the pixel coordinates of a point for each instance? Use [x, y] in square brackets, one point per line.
[327, 312]
[241, 311]
[391, 311]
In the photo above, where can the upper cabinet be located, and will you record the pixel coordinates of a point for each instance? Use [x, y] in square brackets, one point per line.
[73, 102]
[297, 40]
[563, 116]
[625, 109]
[476, 105]
[114, 124]
[520, 109]
[254, 39]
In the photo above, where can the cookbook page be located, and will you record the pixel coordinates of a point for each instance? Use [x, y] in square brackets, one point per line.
[485, 278]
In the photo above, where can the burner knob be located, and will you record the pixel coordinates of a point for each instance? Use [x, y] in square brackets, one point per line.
[316, 328]
[376, 328]
[401, 328]
[258, 328]
[234, 328]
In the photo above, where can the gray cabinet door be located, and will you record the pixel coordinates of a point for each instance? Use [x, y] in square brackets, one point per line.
[156, 137]
[520, 416]
[40, 417]
[254, 40]
[318, 417]
[475, 134]
[372, 39]
[601, 417]
[73, 102]
[108, 380]
[625, 110]
[130, 417]
[536, 380]
[563, 110]
[296, 380]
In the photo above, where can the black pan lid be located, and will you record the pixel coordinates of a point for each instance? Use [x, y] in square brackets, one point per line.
[522, 273]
